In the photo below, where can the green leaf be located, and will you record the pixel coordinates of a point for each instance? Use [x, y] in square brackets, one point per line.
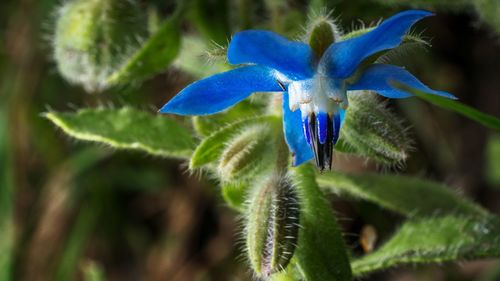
[127, 128]
[460, 108]
[153, 57]
[211, 148]
[442, 239]
[321, 253]
[408, 196]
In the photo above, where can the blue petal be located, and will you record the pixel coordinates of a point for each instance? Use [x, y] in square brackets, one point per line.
[294, 135]
[270, 49]
[378, 78]
[220, 91]
[341, 59]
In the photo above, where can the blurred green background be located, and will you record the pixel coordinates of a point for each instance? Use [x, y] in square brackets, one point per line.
[79, 211]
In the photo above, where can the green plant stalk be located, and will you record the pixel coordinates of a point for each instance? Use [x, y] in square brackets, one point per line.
[321, 253]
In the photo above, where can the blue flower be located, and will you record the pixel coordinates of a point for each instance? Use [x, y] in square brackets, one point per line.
[314, 89]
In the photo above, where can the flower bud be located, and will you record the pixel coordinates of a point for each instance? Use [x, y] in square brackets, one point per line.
[93, 38]
[322, 32]
[247, 153]
[272, 227]
[374, 131]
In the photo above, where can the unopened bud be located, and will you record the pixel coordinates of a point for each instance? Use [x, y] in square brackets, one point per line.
[94, 37]
[272, 227]
[373, 131]
[247, 153]
[322, 32]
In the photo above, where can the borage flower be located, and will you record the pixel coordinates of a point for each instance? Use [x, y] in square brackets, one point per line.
[314, 83]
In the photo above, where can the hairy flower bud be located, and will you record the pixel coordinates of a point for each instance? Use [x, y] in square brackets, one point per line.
[373, 131]
[272, 227]
[321, 33]
[247, 153]
[93, 38]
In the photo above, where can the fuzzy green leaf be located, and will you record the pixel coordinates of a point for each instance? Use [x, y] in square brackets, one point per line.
[408, 196]
[154, 56]
[321, 253]
[211, 148]
[460, 108]
[127, 128]
[437, 239]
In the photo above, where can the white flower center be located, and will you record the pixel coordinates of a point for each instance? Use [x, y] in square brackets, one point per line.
[319, 94]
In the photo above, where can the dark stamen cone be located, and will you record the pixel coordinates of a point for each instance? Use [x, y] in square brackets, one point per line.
[322, 151]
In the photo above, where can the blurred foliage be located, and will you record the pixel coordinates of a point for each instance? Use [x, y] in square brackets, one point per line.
[6, 200]
[154, 56]
[493, 160]
[488, 10]
[70, 211]
[93, 272]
